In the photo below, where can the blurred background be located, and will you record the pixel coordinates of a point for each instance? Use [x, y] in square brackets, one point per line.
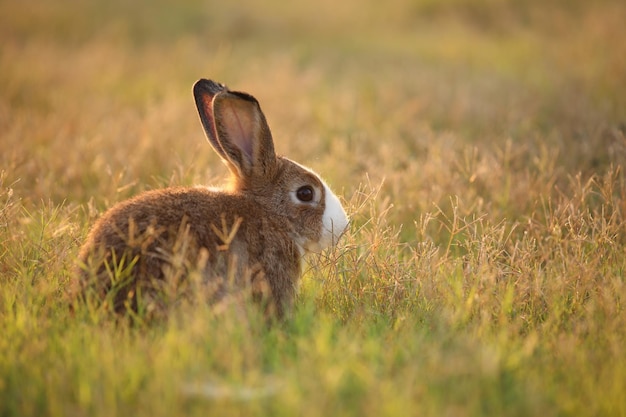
[479, 146]
[434, 96]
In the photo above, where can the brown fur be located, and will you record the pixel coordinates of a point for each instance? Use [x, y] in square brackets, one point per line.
[264, 238]
[247, 237]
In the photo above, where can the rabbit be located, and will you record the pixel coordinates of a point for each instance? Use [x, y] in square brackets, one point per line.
[253, 233]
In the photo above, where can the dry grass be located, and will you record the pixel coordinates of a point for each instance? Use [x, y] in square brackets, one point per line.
[479, 145]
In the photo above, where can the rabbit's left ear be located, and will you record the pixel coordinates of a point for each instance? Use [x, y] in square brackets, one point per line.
[204, 91]
[237, 129]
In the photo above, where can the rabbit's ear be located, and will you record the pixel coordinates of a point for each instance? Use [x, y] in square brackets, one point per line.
[204, 91]
[236, 128]
[243, 134]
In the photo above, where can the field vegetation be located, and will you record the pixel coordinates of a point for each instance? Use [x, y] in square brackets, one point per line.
[479, 147]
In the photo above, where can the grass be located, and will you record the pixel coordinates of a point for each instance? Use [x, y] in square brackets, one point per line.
[479, 147]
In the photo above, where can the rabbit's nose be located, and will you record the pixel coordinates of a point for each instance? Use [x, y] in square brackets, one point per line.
[334, 220]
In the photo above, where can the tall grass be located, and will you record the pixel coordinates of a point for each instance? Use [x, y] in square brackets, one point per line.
[480, 150]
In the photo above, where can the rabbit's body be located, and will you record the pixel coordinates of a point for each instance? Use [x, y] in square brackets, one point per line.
[252, 234]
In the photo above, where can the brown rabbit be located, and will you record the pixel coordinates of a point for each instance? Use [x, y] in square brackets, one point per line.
[251, 234]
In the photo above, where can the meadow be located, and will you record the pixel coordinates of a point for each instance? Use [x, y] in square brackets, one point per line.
[479, 148]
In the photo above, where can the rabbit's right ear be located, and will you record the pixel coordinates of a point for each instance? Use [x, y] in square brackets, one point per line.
[237, 129]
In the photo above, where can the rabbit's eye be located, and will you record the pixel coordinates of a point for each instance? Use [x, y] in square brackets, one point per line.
[305, 193]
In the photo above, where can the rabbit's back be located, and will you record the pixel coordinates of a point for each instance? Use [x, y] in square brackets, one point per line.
[157, 238]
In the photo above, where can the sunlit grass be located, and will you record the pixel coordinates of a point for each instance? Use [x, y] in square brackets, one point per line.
[478, 145]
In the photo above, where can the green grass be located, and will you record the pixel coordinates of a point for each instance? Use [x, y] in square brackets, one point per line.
[479, 147]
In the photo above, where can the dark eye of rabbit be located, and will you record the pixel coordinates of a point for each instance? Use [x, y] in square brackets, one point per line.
[305, 193]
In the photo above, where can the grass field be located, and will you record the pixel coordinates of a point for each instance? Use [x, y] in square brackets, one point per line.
[479, 147]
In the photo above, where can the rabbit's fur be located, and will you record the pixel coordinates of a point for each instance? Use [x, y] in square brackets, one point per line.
[251, 235]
